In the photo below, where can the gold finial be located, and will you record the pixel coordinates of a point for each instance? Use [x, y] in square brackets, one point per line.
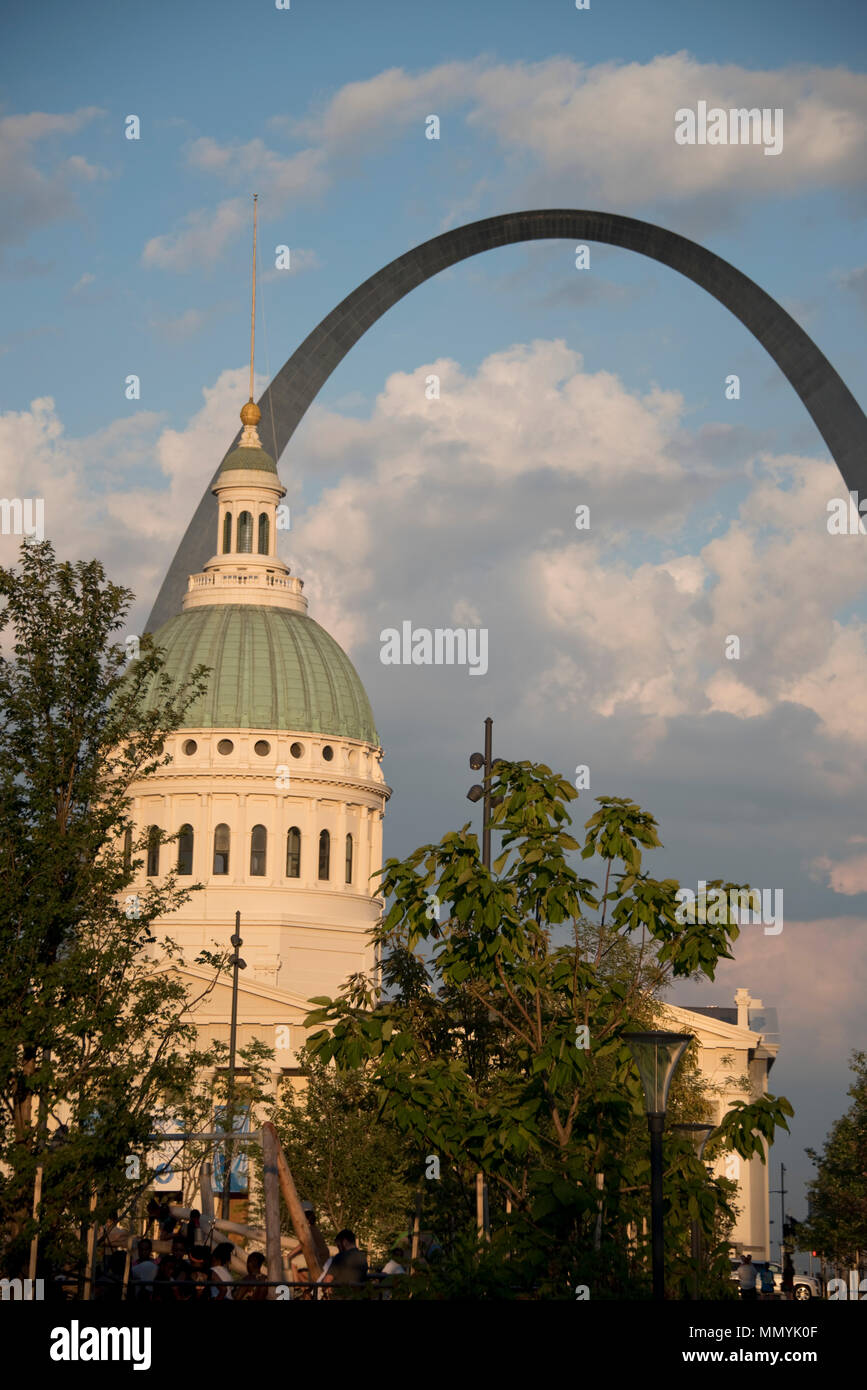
[250, 412]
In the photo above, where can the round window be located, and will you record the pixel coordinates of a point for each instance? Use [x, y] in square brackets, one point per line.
[262, 747]
[225, 745]
[296, 750]
[328, 753]
[190, 747]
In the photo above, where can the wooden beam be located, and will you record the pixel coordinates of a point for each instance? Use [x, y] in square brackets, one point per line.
[206, 1196]
[297, 1215]
[271, 1184]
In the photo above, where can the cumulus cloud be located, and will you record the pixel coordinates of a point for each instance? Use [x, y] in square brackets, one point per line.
[568, 133]
[117, 494]
[200, 240]
[37, 184]
[845, 876]
[466, 503]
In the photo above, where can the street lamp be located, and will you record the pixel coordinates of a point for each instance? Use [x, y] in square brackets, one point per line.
[699, 1132]
[237, 964]
[656, 1056]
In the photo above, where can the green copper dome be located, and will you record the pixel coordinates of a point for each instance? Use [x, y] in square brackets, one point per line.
[272, 668]
[247, 458]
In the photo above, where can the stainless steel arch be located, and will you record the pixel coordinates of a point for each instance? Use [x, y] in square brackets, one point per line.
[836, 413]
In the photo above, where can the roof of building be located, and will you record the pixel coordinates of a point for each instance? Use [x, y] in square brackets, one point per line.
[248, 458]
[724, 1013]
[272, 668]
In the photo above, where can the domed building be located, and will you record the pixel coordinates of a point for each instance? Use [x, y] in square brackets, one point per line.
[275, 786]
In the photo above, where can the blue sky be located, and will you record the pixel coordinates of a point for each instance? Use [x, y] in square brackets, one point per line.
[559, 387]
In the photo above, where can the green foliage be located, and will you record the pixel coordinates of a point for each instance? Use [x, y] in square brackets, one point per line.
[473, 1034]
[837, 1227]
[97, 1044]
[355, 1169]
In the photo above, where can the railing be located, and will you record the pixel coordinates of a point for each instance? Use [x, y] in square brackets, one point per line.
[273, 581]
[150, 1291]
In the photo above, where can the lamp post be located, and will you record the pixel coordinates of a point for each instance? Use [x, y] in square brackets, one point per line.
[699, 1132]
[237, 964]
[483, 793]
[656, 1056]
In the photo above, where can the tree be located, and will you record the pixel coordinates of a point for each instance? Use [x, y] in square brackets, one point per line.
[496, 1035]
[357, 1171]
[837, 1225]
[96, 1037]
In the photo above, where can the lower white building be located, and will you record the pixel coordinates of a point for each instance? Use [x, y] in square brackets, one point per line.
[737, 1048]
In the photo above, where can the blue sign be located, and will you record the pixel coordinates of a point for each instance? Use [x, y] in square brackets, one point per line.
[240, 1125]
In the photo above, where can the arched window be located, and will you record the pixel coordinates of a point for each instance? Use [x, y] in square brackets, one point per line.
[293, 853]
[349, 859]
[258, 845]
[263, 533]
[324, 854]
[227, 533]
[221, 849]
[185, 850]
[127, 848]
[153, 851]
[245, 533]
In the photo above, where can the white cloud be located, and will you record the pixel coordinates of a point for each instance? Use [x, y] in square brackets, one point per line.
[571, 131]
[847, 876]
[201, 239]
[36, 186]
[462, 509]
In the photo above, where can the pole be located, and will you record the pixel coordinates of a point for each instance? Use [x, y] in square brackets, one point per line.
[206, 1201]
[297, 1214]
[782, 1210]
[91, 1251]
[230, 1096]
[416, 1231]
[481, 1224]
[656, 1124]
[271, 1184]
[34, 1244]
[486, 828]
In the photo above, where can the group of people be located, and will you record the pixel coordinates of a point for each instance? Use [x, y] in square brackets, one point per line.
[194, 1272]
[757, 1281]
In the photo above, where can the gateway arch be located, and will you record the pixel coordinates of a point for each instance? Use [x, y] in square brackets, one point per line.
[837, 415]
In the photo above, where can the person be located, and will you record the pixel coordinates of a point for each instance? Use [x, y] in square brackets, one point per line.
[144, 1269]
[166, 1273]
[202, 1286]
[221, 1273]
[393, 1264]
[788, 1278]
[766, 1281]
[159, 1212]
[747, 1277]
[200, 1259]
[349, 1266]
[109, 1284]
[319, 1243]
[254, 1285]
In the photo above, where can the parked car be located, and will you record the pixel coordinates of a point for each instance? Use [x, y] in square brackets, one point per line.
[806, 1285]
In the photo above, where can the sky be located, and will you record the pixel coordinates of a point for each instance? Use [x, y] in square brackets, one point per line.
[559, 387]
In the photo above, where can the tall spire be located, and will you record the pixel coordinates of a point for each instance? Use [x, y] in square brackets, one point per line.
[250, 413]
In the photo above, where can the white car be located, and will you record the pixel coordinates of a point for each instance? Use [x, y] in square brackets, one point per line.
[806, 1285]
